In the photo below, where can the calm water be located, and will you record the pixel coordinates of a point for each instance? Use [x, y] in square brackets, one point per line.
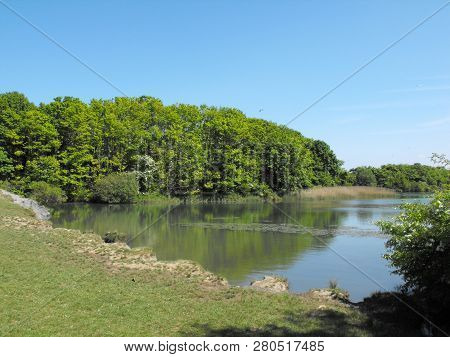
[245, 241]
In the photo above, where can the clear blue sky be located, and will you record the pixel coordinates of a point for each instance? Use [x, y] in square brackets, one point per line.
[278, 56]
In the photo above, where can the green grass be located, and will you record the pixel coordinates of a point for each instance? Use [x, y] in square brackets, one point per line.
[7, 208]
[49, 286]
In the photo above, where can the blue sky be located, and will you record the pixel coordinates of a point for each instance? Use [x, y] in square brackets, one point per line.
[271, 59]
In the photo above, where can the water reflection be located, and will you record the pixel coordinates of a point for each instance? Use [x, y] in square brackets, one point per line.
[211, 234]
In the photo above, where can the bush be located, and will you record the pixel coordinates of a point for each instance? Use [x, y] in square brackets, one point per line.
[117, 188]
[81, 194]
[114, 237]
[6, 185]
[419, 249]
[337, 292]
[46, 194]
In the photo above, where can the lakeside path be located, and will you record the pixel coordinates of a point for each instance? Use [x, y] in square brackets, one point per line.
[60, 282]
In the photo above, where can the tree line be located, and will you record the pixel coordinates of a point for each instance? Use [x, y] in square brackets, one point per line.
[403, 178]
[174, 150]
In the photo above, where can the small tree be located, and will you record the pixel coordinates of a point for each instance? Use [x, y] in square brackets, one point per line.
[419, 249]
[440, 159]
[145, 172]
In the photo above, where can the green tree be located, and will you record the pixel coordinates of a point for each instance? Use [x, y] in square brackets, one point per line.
[38, 141]
[193, 150]
[364, 176]
[78, 134]
[6, 165]
[440, 159]
[13, 107]
[419, 249]
[46, 169]
[415, 178]
[327, 167]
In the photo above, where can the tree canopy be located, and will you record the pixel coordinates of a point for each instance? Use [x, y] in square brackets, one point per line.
[174, 150]
[403, 178]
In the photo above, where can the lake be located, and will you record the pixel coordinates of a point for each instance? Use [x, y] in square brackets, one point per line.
[306, 241]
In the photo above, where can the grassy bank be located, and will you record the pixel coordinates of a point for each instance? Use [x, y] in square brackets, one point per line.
[61, 282]
[342, 192]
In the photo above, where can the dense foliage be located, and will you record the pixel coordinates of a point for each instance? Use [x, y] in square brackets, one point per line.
[116, 188]
[175, 150]
[404, 178]
[47, 194]
[419, 248]
[327, 168]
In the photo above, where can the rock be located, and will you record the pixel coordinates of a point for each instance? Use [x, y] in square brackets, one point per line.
[331, 294]
[114, 237]
[271, 283]
[42, 213]
[323, 293]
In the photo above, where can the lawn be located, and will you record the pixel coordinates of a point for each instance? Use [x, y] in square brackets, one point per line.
[58, 282]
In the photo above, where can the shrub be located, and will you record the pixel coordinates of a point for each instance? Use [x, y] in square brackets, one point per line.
[337, 292]
[117, 188]
[81, 194]
[114, 237]
[332, 284]
[419, 249]
[12, 186]
[46, 194]
[6, 185]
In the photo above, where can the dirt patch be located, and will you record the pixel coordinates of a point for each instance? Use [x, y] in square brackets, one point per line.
[19, 223]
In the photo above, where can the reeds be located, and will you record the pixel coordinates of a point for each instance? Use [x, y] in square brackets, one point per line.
[346, 192]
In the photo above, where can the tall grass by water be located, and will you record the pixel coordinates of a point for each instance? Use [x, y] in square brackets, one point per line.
[340, 192]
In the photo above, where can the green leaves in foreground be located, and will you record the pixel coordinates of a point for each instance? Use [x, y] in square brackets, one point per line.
[419, 247]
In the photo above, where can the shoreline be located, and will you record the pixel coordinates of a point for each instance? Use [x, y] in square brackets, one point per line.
[121, 255]
[112, 273]
[314, 193]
